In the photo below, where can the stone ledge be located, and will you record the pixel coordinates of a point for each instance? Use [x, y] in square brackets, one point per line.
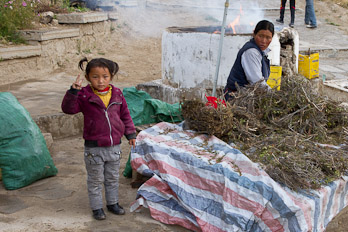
[16, 52]
[60, 125]
[335, 89]
[49, 34]
[158, 90]
[82, 17]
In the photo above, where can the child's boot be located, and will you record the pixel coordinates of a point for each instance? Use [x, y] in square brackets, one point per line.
[116, 209]
[99, 214]
[281, 18]
[292, 22]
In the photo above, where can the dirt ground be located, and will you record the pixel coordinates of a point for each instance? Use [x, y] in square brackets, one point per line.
[137, 50]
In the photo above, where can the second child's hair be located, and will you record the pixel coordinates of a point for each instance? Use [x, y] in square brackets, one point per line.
[264, 25]
[101, 63]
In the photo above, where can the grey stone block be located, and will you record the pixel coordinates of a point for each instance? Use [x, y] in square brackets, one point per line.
[8, 53]
[60, 125]
[49, 34]
[82, 17]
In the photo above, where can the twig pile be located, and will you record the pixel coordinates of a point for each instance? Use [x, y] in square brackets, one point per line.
[287, 132]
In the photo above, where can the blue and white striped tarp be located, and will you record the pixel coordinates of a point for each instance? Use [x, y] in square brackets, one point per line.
[204, 184]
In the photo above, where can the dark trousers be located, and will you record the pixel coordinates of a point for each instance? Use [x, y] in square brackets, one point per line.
[292, 10]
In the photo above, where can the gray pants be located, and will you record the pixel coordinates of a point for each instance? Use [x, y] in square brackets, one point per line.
[102, 165]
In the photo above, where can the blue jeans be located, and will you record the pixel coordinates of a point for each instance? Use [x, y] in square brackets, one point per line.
[310, 14]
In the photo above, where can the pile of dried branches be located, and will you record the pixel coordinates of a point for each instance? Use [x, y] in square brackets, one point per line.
[287, 132]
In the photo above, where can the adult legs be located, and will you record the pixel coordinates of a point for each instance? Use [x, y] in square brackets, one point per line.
[282, 11]
[292, 12]
[310, 13]
[306, 18]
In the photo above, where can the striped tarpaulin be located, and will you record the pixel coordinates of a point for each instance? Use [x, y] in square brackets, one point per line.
[204, 184]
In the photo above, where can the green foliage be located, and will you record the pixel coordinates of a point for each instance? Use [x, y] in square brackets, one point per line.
[16, 15]
[75, 8]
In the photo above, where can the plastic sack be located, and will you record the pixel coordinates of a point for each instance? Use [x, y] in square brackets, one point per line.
[24, 156]
[127, 172]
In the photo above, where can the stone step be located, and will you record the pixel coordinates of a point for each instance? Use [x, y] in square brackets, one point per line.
[15, 52]
[82, 17]
[49, 34]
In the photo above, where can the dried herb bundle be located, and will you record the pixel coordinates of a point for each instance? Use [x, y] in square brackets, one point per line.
[284, 131]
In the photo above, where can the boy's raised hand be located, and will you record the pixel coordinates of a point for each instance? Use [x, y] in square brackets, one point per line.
[77, 84]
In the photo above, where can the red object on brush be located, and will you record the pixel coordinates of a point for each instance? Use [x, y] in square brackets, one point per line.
[212, 101]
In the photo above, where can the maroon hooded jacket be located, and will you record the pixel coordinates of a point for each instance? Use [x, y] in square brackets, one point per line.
[103, 127]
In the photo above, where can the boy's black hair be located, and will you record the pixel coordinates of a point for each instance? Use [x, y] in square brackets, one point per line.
[99, 62]
[264, 25]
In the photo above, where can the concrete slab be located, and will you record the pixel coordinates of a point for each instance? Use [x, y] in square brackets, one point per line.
[82, 17]
[335, 89]
[8, 53]
[49, 34]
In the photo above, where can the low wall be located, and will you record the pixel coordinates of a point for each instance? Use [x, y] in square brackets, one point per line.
[46, 55]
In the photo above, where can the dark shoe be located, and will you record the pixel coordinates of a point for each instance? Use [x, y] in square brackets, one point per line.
[291, 25]
[280, 21]
[311, 26]
[99, 214]
[116, 209]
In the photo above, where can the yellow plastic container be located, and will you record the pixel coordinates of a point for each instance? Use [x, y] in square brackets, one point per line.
[275, 77]
[308, 65]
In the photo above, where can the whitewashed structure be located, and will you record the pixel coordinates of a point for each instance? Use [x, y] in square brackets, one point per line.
[189, 56]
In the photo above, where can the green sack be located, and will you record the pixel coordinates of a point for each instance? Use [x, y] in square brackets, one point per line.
[24, 157]
[146, 110]
[127, 172]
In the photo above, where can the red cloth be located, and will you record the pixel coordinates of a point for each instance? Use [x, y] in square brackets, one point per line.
[212, 101]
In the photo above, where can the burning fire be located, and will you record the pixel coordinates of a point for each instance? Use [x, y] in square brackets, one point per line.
[236, 22]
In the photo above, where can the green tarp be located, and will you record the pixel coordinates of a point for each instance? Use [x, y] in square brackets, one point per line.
[24, 157]
[146, 110]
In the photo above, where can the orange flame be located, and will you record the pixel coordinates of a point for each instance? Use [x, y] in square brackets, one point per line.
[236, 21]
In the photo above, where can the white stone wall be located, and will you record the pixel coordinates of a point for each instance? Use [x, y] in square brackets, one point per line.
[189, 60]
